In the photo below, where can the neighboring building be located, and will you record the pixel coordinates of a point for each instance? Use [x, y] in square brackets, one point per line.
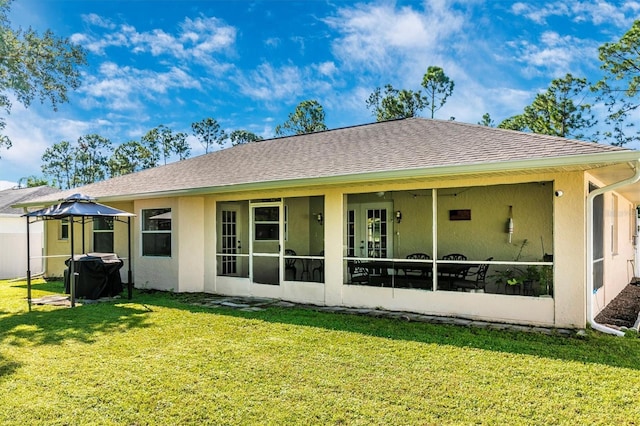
[329, 218]
[13, 233]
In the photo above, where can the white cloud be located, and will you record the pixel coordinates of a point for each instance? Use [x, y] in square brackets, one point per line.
[272, 42]
[197, 38]
[267, 83]
[539, 14]
[327, 69]
[98, 21]
[5, 184]
[32, 131]
[127, 88]
[553, 54]
[596, 12]
[375, 36]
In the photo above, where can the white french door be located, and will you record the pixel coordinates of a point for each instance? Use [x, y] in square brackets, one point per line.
[230, 241]
[370, 230]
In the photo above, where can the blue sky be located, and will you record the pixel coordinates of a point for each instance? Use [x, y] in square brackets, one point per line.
[249, 63]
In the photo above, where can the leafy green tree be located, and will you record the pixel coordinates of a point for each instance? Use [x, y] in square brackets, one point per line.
[208, 132]
[130, 157]
[240, 137]
[32, 182]
[59, 163]
[34, 66]
[619, 86]
[162, 141]
[438, 86]
[487, 120]
[517, 122]
[92, 159]
[394, 103]
[308, 117]
[560, 111]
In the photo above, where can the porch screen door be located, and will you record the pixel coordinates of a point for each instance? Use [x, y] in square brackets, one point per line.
[267, 234]
[598, 241]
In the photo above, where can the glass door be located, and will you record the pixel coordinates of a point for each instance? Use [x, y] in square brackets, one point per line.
[369, 230]
[230, 241]
[377, 220]
[267, 236]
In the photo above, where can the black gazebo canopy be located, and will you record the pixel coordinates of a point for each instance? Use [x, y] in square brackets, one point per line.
[82, 206]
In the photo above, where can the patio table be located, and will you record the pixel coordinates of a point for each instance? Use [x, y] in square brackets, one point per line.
[445, 270]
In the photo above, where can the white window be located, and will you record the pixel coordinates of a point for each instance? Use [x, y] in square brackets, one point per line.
[64, 228]
[156, 232]
[103, 234]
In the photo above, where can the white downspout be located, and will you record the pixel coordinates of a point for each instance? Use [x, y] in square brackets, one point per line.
[590, 197]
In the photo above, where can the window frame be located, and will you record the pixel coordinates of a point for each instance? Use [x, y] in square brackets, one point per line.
[155, 232]
[64, 229]
[99, 230]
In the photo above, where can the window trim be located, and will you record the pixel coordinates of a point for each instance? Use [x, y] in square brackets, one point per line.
[144, 231]
[97, 220]
[64, 224]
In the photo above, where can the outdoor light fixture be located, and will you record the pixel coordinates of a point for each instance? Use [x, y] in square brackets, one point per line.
[319, 218]
[398, 216]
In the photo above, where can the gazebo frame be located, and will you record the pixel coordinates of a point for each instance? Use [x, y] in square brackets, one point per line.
[81, 206]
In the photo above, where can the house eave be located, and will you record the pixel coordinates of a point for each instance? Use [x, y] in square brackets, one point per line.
[581, 162]
[537, 165]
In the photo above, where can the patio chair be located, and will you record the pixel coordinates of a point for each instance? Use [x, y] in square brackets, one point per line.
[474, 280]
[417, 272]
[358, 274]
[290, 264]
[454, 256]
[453, 272]
[319, 269]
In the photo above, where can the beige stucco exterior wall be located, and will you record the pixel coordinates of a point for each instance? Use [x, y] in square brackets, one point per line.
[189, 221]
[539, 217]
[58, 250]
[569, 251]
[209, 233]
[618, 255]
[161, 273]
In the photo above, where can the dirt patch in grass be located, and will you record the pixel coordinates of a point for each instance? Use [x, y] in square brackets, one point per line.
[623, 310]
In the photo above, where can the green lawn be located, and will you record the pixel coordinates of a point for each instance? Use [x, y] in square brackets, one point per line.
[157, 360]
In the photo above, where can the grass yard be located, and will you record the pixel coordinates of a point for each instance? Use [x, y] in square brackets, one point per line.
[157, 360]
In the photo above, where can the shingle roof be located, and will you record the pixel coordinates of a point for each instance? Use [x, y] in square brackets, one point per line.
[9, 197]
[414, 143]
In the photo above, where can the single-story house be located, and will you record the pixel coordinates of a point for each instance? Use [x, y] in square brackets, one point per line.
[429, 216]
[13, 233]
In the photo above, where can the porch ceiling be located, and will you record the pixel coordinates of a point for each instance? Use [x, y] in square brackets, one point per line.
[615, 173]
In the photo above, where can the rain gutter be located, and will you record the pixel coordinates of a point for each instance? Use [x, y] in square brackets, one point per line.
[590, 197]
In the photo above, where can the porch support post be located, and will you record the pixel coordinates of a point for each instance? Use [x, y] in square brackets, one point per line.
[129, 274]
[28, 266]
[82, 224]
[72, 272]
[434, 236]
[333, 234]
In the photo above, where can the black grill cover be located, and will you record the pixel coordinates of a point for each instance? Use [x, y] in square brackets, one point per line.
[97, 276]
